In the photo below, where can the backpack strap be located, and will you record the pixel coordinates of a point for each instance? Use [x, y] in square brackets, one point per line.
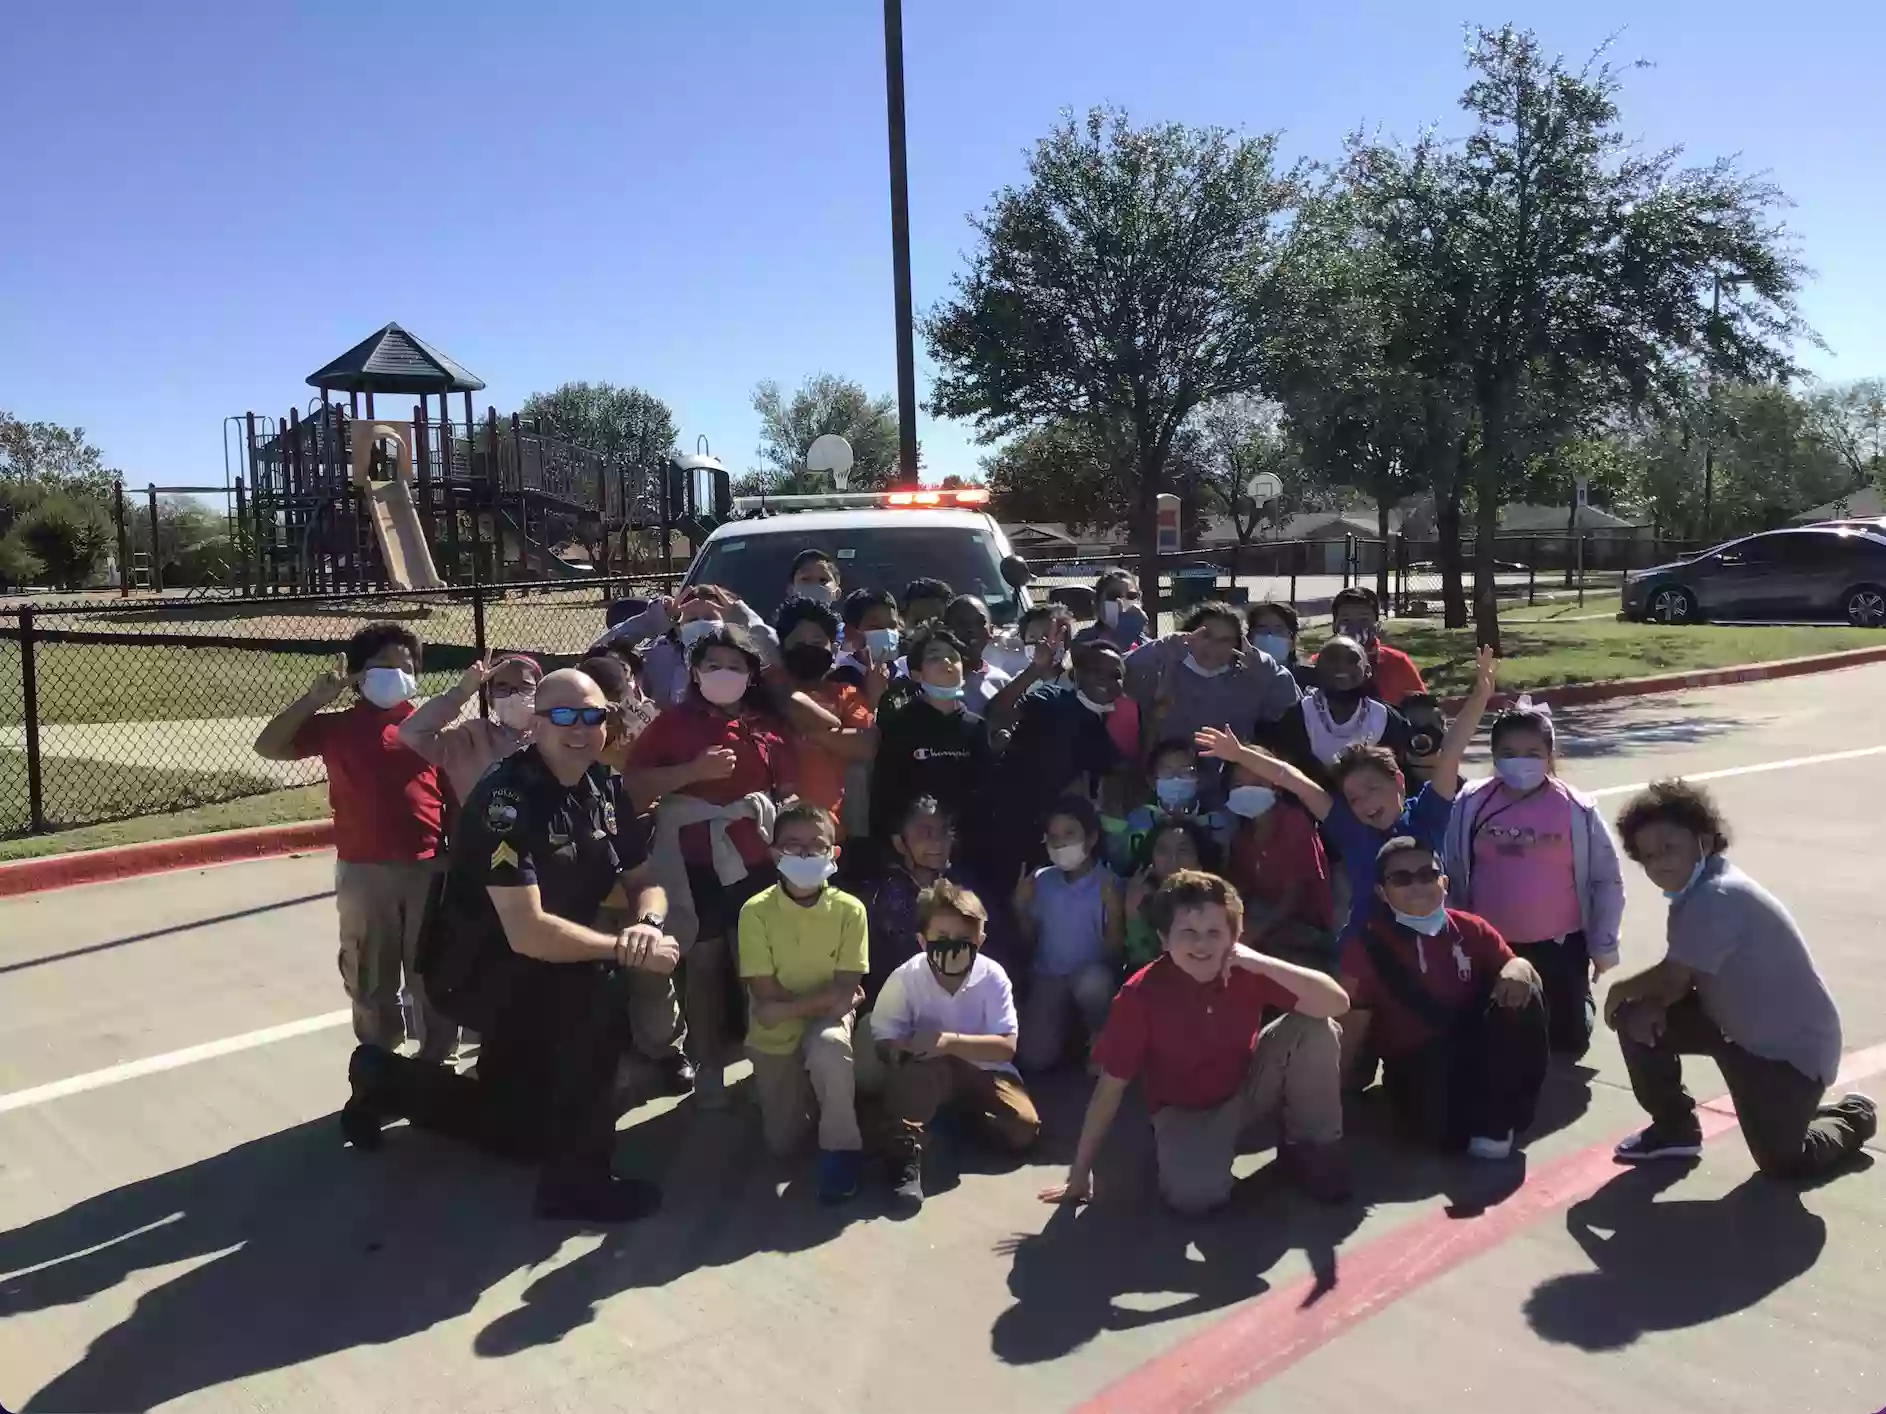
[1402, 984]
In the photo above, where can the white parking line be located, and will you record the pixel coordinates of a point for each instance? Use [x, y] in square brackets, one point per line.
[1754, 770]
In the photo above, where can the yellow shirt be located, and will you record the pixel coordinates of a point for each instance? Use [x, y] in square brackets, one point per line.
[802, 947]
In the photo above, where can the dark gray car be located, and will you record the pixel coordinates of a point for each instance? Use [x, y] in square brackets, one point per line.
[1816, 572]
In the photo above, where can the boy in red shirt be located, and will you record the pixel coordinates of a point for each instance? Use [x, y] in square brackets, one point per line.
[387, 816]
[1458, 1020]
[1393, 676]
[1191, 1028]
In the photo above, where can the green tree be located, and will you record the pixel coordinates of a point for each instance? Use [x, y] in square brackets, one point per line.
[1851, 421]
[67, 534]
[824, 403]
[1240, 438]
[1125, 284]
[623, 422]
[44, 452]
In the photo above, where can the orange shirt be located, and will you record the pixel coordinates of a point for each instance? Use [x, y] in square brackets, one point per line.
[1396, 676]
[822, 772]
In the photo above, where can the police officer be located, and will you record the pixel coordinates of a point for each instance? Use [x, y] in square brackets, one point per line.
[511, 951]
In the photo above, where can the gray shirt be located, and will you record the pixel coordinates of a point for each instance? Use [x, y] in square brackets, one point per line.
[1256, 691]
[1754, 974]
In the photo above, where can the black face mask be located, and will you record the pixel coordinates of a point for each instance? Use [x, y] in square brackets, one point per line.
[807, 661]
[944, 955]
[1342, 699]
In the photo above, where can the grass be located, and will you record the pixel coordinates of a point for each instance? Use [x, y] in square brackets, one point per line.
[78, 791]
[279, 807]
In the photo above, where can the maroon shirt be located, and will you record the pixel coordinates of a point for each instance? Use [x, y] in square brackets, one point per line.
[764, 761]
[386, 800]
[1188, 1043]
[1462, 962]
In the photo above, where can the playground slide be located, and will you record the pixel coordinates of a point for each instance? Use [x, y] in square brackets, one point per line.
[536, 555]
[402, 540]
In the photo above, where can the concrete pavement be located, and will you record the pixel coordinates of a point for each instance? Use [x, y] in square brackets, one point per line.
[195, 1237]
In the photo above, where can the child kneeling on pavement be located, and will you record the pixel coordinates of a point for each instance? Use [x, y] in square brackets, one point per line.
[803, 957]
[945, 1025]
[1192, 1028]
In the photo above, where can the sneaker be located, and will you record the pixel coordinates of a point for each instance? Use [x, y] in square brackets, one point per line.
[362, 1117]
[1860, 1113]
[710, 1088]
[1489, 1149]
[1320, 1171]
[1653, 1143]
[907, 1184]
[677, 1075]
[838, 1174]
[604, 1200]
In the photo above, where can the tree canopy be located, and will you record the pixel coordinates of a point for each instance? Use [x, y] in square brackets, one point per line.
[617, 421]
[824, 403]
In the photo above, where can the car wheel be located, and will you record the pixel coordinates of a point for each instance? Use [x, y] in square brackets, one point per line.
[1866, 606]
[1671, 604]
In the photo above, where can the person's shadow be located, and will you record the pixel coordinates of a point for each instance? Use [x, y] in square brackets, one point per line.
[1665, 1266]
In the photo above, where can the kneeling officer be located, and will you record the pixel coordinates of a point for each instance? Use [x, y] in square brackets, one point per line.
[510, 951]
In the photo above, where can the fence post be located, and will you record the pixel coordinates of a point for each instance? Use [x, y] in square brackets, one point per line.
[1532, 581]
[29, 691]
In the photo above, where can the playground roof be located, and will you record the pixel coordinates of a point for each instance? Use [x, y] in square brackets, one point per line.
[394, 361]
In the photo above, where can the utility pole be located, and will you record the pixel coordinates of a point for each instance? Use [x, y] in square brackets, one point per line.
[1709, 443]
[900, 241]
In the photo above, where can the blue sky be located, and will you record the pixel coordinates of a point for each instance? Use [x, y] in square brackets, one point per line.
[210, 199]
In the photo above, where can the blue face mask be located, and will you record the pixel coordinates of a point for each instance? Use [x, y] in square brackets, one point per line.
[1131, 624]
[1426, 924]
[882, 643]
[1276, 645]
[1175, 792]
[1522, 773]
[941, 694]
[1702, 863]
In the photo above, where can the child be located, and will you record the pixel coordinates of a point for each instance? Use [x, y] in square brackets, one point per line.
[1174, 843]
[814, 576]
[1737, 985]
[931, 745]
[945, 1028]
[803, 955]
[834, 722]
[1279, 866]
[921, 850]
[463, 747]
[924, 600]
[1173, 769]
[388, 814]
[1071, 912]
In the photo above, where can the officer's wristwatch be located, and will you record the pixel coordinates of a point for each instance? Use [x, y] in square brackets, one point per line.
[657, 921]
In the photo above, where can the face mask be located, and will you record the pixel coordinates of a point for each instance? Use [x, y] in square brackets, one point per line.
[806, 871]
[1521, 772]
[1702, 863]
[1132, 622]
[1218, 671]
[1100, 708]
[816, 590]
[1274, 645]
[944, 954]
[387, 687]
[881, 643]
[516, 711]
[1426, 924]
[1110, 613]
[723, 686]
[807, 661]
[1343, 700]
[941, 694]
[1250, 801]
[694, 630]
[1068, 856]
[1175, 791]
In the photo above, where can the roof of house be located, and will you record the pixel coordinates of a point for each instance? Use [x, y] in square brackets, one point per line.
[390, 360]
[1521, 517]
[1863, 504]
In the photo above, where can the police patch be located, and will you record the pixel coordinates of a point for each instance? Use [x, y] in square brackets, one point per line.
[501, 812]
[503, 855]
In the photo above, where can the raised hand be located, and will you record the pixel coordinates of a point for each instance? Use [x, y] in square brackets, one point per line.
[474, 677]
[1219, 742]
[1485, 674]
[332, 683]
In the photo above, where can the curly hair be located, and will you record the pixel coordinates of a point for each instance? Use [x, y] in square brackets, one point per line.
[374, 637]
[1673, 802]
[1192, 888]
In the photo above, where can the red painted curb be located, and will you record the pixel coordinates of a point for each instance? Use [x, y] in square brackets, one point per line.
[60, 871]
[1574, 694]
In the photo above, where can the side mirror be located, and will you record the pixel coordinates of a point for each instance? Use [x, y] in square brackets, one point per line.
[1077, 599]
[1015, 572]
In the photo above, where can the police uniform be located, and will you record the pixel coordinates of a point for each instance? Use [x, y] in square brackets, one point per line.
[551, 1032]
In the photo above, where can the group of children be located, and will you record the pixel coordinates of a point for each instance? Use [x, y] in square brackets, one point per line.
[913, 860]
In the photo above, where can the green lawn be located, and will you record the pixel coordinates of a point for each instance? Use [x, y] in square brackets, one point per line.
[279, 807]
[78, 791]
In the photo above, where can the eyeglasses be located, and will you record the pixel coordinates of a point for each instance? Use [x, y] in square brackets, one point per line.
[806, 851]
[1408, 878]
[570, 716]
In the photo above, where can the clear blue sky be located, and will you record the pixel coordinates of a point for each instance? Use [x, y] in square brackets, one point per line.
[210, 199]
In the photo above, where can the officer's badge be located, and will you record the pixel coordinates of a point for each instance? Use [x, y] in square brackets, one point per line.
[501, 812]
[608, 815]
[504, 855]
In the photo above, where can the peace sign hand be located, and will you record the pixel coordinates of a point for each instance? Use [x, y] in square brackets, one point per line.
[332, 683]
[474, 676]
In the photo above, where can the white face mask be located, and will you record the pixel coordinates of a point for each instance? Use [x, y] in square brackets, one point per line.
[517, 711]
[1068, 856]
[1205, 672]
[1110, 613]
[806, 871]
[817, 590]
[694, 630]
[387, 687]
[1250, 801]
[1100, 708]
[723, 686]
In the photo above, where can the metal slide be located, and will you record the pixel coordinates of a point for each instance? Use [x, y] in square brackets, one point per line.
[390, 502]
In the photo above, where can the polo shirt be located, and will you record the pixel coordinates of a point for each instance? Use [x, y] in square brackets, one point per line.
[387, 805]
[802, 947]
[913, 1001]
[1279, 855]
[764, 762]
[1393, 675]
[1456, 968]
[1188, 1043]
[1424, 819]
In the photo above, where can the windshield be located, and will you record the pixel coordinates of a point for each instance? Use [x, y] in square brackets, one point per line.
[869, 557]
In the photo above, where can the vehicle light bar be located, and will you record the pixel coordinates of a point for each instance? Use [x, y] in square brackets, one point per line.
[918, 498]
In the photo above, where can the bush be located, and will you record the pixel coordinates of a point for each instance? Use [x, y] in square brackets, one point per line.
[18, 563]
[67, 536]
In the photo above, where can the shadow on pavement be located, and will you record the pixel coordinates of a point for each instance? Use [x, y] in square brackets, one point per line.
[1627, 728]
[1667, 1266]
[304, 1248]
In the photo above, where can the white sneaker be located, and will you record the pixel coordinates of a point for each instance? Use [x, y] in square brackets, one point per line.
[1480, 1147]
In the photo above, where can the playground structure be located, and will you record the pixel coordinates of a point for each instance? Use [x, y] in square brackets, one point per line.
[342, 499]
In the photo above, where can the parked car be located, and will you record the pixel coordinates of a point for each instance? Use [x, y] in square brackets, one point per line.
[1814, 572]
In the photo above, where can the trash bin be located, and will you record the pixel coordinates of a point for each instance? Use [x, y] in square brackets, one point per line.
[1195, 584]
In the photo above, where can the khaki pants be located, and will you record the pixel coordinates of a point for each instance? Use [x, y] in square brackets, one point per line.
[381, 908]
[1050, 1007]
[914, 1090]
[1295, 1076]
[819, 1072]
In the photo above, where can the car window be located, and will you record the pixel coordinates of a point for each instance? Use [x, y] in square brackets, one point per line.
[869, 557]
[1802, 548]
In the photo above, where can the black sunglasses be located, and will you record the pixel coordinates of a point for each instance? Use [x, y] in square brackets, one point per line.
[1407, 878]
[570, 716]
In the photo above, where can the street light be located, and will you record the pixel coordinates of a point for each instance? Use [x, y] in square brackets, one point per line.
[900, 241]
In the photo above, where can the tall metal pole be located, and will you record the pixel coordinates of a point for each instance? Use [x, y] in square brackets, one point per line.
[1709, 445]
[900, 241]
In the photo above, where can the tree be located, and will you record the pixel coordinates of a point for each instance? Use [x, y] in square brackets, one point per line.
[1243, 437]
[1127, 283]
[67, 535]
[824, 403]
[619, 422]
[1057, 472]
[44, 452]
[1851, 421]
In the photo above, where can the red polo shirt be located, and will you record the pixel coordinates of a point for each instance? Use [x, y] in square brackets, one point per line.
[1455, 967]
[1395, 675]
[386, 799]
[1188, 1043]
[1289, 856]
[764, 761]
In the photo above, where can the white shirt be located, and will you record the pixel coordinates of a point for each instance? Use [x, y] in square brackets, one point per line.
[912, 1000]
[981, 686]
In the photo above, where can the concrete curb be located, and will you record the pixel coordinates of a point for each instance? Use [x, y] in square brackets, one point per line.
[1575, 694]
[92, 866]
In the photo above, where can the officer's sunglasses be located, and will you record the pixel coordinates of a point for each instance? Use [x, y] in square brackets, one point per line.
[1408, 878]
[570, 716]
